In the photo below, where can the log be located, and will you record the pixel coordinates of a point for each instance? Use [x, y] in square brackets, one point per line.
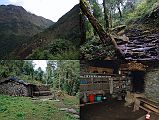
[151, 108]
[105, 38]
[82, 29]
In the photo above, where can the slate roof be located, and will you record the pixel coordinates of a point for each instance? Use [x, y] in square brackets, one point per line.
[15, 80]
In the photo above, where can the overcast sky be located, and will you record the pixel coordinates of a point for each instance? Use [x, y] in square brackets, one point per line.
[50, 9]
[40, 63]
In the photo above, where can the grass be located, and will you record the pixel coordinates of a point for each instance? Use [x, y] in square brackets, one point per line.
[141, 10]
[72, 101]
[23, 108]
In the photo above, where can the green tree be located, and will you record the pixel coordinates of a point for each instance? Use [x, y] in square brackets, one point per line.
[106, 18]
[65, 75]
[28, 68]
[50, 71]
[39, 74]
[11, 68]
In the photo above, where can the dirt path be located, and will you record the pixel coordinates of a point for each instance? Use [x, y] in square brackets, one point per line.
[113, 110]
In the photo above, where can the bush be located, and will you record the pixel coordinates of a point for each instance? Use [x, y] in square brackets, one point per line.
[59, 49]
[94, 50]
[141, 9]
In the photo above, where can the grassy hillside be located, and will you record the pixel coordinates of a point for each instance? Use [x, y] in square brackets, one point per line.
[24, 108]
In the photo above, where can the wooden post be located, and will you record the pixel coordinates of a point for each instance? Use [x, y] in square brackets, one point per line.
[111, 86]
[136, 104]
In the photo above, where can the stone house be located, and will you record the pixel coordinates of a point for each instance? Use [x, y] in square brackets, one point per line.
[15, 87]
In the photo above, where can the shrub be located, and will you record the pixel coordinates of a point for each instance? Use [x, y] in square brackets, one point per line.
[94, 50]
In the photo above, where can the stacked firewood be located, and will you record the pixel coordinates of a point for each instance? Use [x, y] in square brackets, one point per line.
[136, 66]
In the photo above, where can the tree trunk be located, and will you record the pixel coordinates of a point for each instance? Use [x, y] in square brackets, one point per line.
[95, 12]
[106, 15]
[110, 18]
[82, 29]
[59, 82]
[104, 37]
[120, 12]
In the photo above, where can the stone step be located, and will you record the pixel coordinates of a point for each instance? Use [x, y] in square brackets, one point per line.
[42, 93]
[136, 37]
[144, 49]
[142, 45]
[155, 41]
[152, 37]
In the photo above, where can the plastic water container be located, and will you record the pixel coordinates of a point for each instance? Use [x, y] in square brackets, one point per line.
[85, 99]
[83, 81]
[91, 97]
[99, 98]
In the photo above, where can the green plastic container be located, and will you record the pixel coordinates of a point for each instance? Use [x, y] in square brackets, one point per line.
[98, 98]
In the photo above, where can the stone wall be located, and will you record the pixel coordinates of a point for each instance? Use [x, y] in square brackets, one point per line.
[152, 84]
[13, 89]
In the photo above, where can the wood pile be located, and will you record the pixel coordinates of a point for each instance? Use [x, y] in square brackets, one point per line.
[100, 70]
[133, 66]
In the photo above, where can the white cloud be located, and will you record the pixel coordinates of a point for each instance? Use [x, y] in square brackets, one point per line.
[13, 1]
[50, 9]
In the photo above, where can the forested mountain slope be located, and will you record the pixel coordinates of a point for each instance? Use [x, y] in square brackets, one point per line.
[66, 30]
[16, 26]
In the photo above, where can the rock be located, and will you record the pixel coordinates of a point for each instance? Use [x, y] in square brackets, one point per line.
[76, 116]
[124, 38]
[34, 98]
[51, 99]
[63, 109]
[70, 110]
[155, 41]
[119, 28]
[57, 100]
[127, 55]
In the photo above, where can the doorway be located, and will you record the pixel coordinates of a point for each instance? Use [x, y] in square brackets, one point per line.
[138, 83]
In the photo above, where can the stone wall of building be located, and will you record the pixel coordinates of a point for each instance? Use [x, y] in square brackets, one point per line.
[152, 84]
[13, 89]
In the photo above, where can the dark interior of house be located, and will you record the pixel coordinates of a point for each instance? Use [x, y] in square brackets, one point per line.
[137, 81]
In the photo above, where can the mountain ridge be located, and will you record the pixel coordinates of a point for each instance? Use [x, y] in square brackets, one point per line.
[67, 27]
[10, 12]
[17, 26]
